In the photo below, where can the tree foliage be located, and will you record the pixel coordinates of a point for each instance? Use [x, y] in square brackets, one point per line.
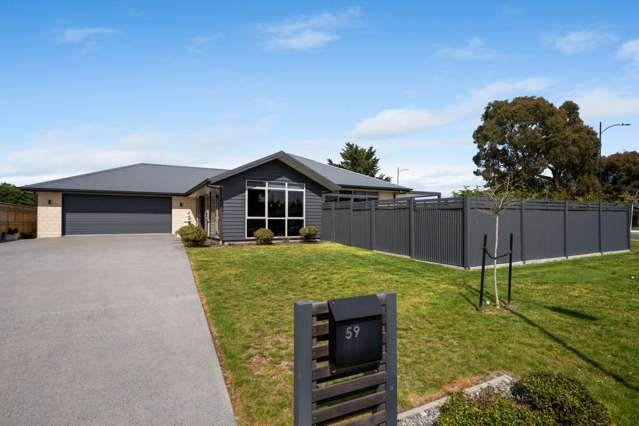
[547, 150]
[620, 176]
[361, 160]
[11, 194]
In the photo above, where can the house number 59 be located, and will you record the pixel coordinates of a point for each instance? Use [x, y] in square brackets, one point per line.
[352, 332]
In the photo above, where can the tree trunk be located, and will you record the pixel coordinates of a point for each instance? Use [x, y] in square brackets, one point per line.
[495, 260]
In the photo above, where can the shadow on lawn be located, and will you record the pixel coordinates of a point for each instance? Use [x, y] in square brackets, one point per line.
[582, 356]
[572, 313]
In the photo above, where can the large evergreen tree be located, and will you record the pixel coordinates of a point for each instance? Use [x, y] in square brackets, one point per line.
[11, 194]
[546, 150]
[361, 160]
[620, 176]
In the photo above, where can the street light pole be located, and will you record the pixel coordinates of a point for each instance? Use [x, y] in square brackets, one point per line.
[400, 170]
[601, 132]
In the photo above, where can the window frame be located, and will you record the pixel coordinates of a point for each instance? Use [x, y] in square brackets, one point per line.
[264, 185]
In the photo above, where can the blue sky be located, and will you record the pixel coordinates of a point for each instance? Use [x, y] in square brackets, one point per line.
[92, 85]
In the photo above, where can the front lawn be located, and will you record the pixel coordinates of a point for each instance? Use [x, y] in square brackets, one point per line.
[580, 317]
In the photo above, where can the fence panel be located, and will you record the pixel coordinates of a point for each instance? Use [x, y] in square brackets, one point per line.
[14, 216]
[392, 229]
[450, 231]
[439, 235]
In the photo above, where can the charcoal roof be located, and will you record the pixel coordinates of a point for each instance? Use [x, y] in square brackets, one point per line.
[145, 178]
[136, 178]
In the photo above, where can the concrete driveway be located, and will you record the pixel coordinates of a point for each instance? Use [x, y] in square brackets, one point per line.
[105, 330]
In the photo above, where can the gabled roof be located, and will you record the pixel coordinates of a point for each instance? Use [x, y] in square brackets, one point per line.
[331, 177]
[140, 178]
[144, 178]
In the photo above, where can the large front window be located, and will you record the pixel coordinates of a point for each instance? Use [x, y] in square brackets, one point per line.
[278, 206]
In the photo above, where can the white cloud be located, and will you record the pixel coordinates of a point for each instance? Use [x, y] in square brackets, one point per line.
[66, 152]
[307, 32]
[473, 49]
[444, 178]
[603, 102]
[79, 35]
[200, 43]
[398, 121]
[575, 42]
[629, 50]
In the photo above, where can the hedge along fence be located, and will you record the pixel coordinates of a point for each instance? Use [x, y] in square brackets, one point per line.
[451, 230]
[15, 216]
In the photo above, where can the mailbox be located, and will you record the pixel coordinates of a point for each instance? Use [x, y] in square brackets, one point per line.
[355, 333]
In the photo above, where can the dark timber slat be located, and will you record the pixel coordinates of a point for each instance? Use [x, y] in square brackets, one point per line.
[324, 373]
[320, 353]
[320, 329]
[374, 420]
[348, 407]
[348, 387]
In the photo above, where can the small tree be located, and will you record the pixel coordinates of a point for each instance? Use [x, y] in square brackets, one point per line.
[361, 160]
[500, 198]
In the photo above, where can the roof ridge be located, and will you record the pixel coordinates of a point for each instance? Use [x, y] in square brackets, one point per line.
[84, 174]
[342, 168]
[176, 165]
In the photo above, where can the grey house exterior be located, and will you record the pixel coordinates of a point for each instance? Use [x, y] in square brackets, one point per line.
[282, 192]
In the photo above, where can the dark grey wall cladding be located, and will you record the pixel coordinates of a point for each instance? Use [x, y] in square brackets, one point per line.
[233, 189]
[392, 230]
[548, 229]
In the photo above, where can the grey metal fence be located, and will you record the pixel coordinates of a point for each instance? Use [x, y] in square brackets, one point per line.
[451, 230]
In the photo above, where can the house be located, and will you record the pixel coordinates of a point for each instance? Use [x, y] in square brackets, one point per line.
[282, 192]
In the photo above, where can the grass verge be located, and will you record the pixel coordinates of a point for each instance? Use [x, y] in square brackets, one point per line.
[578, 317]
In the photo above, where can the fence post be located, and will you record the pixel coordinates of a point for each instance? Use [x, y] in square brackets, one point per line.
[600, 227]
[522, 230]
[373, 224]
[391, 359]
[350, 224]
[630, 212]
[333, 209]
[411, 228]
[303, 364]
[466, 231]
[566, 229]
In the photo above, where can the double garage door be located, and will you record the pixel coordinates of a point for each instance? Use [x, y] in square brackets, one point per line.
[111, 214]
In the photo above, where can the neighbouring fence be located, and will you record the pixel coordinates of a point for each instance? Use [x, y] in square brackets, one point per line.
[15, 216]
[451, 230]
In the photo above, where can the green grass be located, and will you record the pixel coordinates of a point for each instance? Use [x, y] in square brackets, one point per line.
[580, 317]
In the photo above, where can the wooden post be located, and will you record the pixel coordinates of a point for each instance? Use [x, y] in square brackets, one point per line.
[303, 363]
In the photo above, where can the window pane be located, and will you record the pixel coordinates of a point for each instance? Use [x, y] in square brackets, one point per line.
[295, 186]
[295, 204]
[294, 226]
[280, 185]
[258, 183]
[256, 202]
[253, 225]
[277, 226]
[276, 203]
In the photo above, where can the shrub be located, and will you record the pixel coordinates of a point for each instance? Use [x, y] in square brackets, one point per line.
[487, 408]
[192, 236]
[263, 236]
[27, 235]
[309, 233]
[564, 398]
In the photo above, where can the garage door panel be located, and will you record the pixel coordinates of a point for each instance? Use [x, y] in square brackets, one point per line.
[92, 214]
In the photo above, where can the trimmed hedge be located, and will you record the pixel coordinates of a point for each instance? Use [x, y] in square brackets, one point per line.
[309, 233]
[192, 235]
[488, 408]
[263, 236]
[562, 397]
